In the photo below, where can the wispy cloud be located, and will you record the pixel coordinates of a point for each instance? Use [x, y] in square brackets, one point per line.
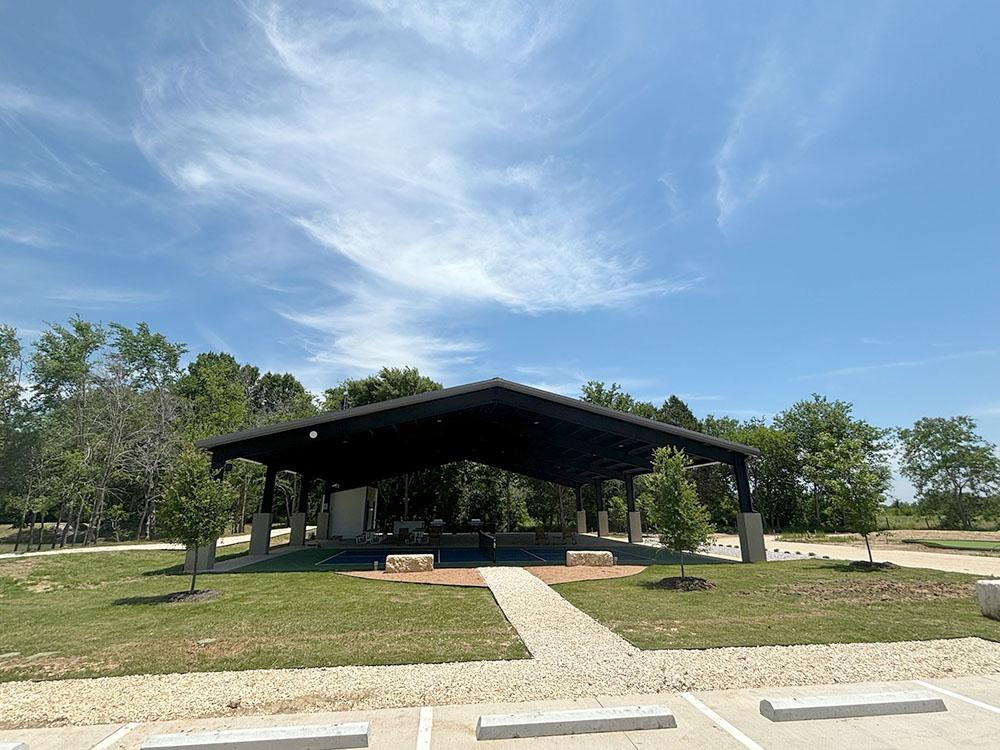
[24, 102]
[366, 128]
[101, 298]
[25, 236]
[901, 364]
[796, 92]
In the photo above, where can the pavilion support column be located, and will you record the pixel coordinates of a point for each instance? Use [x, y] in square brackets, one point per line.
[634, 519]
[323, 517]
[602, 512]
[260, 531]
[748, 524]
[581, 514]
[298, 519]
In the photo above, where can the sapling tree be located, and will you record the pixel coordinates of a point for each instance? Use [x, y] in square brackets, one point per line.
[196, 507]
[683, 522]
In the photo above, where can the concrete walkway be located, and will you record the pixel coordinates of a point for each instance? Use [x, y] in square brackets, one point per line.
[973, 564]
[706, 720]
[225, 541]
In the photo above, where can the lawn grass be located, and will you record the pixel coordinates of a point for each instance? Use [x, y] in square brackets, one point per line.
[975, 545]
[101, 614]
[784, 603]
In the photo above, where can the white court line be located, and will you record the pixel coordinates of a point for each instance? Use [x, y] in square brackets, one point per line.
[327, 559]
[424, 728]
[724, 725]
[529, 552]
[112, 738]
[958, 697]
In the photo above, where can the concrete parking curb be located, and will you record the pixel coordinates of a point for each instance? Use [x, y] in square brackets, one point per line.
[578, 721]
[849, 706]
[318, 737]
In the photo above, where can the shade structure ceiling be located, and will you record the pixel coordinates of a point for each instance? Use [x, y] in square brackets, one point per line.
[496, 422]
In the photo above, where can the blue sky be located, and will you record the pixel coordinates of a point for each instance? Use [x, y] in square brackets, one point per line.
[740, 203]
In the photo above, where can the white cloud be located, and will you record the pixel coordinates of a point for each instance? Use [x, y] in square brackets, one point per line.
[901, 364]
[24, 236]
[382, 131]
[796, 92]
[101, 298]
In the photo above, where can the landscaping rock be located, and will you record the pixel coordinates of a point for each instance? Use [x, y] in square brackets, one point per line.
[589, 557]
[409, 563]
[988, 594]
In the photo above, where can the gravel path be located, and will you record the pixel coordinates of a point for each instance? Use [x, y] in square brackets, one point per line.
[573, 656]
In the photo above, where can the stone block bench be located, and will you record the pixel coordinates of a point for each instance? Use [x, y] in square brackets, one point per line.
[13, 746]
[988, 594]
[408, 563]
[850, 706]
[576, 721]
[316, 737]
[594, 558]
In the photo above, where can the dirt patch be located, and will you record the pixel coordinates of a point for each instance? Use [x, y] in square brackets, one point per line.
[879, 590]
[441, 576]
[18, 569]
[687, 583]
[553, 574]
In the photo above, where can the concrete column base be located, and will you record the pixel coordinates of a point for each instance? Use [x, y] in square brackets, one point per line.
[602, 523]
[634, 527]
[298, 535]
[206, 558]
[322, 525]
[751, 531]
[260, 534]
[581, 522]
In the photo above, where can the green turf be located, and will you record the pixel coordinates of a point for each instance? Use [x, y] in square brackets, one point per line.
[977, 545]
[99, 612]
[809, 601]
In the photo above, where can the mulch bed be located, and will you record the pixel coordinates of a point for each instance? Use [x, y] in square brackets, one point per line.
[871, 566]
[687, 583]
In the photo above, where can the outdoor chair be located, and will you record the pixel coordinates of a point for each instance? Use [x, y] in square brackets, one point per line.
[541, 536]
[404, 535]
[568, 537]
[435, 535]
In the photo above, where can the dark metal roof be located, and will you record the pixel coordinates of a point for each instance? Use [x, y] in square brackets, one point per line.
[496, 422]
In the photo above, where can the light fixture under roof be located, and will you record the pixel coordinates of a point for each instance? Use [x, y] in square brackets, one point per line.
[313, 434]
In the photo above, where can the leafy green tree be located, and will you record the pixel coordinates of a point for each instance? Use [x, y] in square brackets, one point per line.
[216, 391]
[945, 457]
[388, 383]
[279, 397]
[822, 430]
[860, 487]
[682, 521]
[195, 507]
[674, 411]
[776, 476]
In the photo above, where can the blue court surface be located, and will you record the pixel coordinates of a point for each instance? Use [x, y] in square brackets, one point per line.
[457, 557]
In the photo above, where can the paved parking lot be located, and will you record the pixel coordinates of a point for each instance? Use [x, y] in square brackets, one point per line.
[724, 720]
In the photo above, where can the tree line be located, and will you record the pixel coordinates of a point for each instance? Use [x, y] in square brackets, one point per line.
[97, 420]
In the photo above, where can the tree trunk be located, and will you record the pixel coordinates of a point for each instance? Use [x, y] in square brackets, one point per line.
[194, 568]
[76, 526]
[55, 532]
[20, 528]
[870, 560]
[31, 530]
[962, 513]
[682, 565]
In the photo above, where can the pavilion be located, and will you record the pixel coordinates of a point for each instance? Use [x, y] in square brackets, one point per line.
[496, 422]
